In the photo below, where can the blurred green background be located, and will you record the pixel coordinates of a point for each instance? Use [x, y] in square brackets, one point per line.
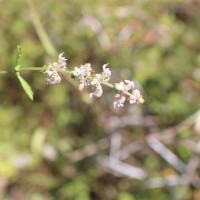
[155, 42]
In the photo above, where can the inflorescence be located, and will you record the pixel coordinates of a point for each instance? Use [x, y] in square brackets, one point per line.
[52, 71]
[87, 78]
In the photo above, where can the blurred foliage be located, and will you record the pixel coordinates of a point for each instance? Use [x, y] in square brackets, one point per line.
[155, 41]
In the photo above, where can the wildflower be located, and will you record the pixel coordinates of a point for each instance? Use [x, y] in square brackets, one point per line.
[53, 78]
[62, 62]
[98, 88]
[126, 91]
[135, 96]
[130, 84]
[120, 86]
[119, 102]
[52, 71]
[83, 74]
[105, 76]
[87, 78]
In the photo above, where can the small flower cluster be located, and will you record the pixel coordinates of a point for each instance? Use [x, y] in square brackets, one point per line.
[126, 91]
[53, 68]
[87, 78]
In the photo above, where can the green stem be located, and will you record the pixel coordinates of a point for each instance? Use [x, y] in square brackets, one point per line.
[64, 71]
[42, 68]
[42, 34]
[22, 69]
[31, 69]
[108, 84]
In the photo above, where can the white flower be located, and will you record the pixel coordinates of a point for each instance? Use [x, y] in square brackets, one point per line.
[120, 86]
[96, 94]
[52, 70]
[62, 62]
[54, 78]
[98, 89]
[126, 90]
[120, 102]
[130, 84]
[105, 76]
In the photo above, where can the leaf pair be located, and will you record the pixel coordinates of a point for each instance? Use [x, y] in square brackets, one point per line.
[22, 81]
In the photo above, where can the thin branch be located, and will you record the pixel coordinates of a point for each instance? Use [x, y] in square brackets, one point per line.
[124, 169]
[88, 150]
[166, 154]
[49, 47]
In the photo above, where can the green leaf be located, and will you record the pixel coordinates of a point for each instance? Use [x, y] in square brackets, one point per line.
[18, 55]
[25, 86]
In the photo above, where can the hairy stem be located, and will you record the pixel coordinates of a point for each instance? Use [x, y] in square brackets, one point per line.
[108, 84]
[31, 69]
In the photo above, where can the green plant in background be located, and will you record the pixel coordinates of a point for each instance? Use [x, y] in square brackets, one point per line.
[154, 41]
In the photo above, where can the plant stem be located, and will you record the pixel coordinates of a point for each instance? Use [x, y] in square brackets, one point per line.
[31, 69]
[64, 71]
[108, 84]
[42, 68]
[22, 69]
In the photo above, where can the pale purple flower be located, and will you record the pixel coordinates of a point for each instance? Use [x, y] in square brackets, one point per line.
[120, 86]
[62, 62]
[132, 99]
[80, 71]
[136, 93]
[98, 89]
[130, 84]
[88, 68]
[54, 77]
[61, 58]
[83, 74]
[126, 91]
[87, 78]
[96, 94]
[83, 70]
[106, 70]
[119, 102]
[138, 96]
[105, 76]
[49, 72]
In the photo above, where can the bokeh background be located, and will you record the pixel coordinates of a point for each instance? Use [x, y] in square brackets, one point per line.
[62, 145]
